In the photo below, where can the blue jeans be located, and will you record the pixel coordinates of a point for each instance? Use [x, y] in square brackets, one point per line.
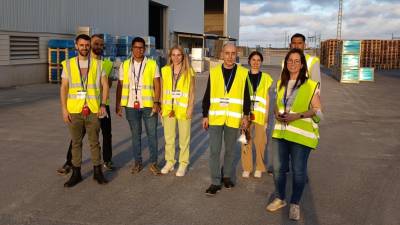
[298, 154]
[229, 135]
[134, 117]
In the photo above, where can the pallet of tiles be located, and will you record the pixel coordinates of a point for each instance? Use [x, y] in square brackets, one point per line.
[348, 61]
[366, 74]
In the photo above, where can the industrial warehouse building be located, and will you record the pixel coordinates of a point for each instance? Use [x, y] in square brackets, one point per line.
[26, 26]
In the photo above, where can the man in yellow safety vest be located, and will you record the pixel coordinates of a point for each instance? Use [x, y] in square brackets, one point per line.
[226, 108]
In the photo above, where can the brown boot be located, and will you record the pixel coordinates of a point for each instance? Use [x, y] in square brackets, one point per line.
[154, 169]
[137, 167]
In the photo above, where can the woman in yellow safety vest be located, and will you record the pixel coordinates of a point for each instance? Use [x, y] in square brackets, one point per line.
[259, 84]
[296, 131]
[178, 84]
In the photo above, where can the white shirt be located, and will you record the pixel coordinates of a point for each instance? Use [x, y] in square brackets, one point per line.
[83, 64]
[139, 74]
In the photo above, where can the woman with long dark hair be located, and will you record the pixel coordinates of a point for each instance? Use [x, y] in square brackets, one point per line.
[259, 84]
[296, 130]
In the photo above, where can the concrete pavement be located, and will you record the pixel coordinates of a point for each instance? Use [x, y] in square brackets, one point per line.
[354, 174]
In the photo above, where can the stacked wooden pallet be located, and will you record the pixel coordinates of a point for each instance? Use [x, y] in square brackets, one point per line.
[328, 52]
[378, 54]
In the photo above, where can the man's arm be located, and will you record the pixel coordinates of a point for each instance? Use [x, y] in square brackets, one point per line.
[63, 99]
[206, 99]
[106, 89]
[157, 92]
[206, 105]
[316, 73]
[118, 108]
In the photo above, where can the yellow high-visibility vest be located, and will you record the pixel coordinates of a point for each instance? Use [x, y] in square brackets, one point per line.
[179, 104]
[226, 108]
[260, 98]
[74, 102]
[302, 131]
[147, 87]
[107, 67]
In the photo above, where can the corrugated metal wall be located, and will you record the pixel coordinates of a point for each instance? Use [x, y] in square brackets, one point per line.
[120, 17]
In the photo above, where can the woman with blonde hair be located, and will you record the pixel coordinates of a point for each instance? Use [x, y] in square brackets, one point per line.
[178, 83]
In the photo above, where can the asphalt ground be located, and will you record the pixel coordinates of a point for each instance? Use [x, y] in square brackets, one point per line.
[354, 174]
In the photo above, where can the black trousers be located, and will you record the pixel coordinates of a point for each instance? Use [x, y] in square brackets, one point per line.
[105, 124]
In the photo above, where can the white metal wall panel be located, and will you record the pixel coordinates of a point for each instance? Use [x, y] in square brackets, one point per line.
[4, 49]
[232, 18]
[187, 16]
[120, 17]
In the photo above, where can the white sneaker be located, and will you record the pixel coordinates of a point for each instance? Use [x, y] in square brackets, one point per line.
[246, 174]
[294, 212]
[258, 174]
[275, 205]
[181, 171]
[167, 168]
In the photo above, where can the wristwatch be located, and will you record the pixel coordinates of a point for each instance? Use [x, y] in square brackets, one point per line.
[301, 115]
[102, 104]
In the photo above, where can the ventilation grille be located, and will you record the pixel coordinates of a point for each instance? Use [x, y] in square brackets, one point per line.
[24, 47]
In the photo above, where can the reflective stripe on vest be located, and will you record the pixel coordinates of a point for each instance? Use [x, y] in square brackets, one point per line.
[302, 131]
[75, 105]
[180, 104]
[147, 90]
[260, 98]
[231, 114]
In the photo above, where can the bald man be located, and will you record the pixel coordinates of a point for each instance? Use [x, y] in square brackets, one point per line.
[226, 108]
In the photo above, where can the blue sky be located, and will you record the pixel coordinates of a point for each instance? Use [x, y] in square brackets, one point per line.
[265, 22]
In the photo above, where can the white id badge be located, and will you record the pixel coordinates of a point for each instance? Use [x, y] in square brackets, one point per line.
[176, 94]
[224, 102]
[133, 88]
[81, 95]
[255, 104]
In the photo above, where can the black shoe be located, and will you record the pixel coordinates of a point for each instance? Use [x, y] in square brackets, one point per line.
[270, 173]
[228, 184]
[75, 178]
[108, 165]
[65, 169]
[213, 189]
[98, 175]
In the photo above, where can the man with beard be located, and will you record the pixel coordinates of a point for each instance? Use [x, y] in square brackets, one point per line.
[83, 84]
[97, 46]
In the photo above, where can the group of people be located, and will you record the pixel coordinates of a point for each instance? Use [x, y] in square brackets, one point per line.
[235, 101]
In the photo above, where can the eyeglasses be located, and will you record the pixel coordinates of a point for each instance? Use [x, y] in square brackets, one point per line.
[296, 62]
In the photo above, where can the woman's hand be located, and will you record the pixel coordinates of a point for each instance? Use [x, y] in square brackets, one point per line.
[289, 117]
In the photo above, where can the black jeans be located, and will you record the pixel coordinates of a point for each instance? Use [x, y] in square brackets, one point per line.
[105, 124]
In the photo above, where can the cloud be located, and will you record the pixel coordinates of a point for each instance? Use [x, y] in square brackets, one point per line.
[262, 7]
[265, 22]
